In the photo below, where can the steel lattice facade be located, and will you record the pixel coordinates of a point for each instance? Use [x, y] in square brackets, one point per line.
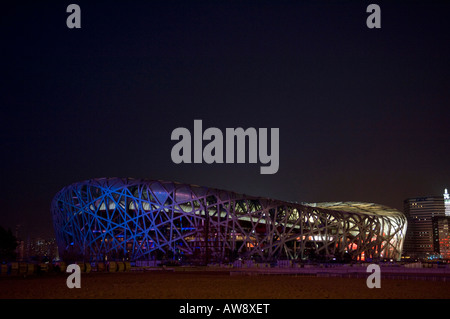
[114, 218]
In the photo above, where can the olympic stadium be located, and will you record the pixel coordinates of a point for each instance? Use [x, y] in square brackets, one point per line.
[136, 219]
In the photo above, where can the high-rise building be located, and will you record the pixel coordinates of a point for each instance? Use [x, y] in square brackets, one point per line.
[427, 234]
[447, 203]
[441, 236]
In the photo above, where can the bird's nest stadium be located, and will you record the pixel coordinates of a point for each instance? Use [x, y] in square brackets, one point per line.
[135, 219]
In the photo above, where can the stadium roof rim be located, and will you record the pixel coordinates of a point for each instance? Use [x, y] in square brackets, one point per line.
[341, 206]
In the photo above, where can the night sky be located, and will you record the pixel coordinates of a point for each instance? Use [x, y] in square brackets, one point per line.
[363, 113]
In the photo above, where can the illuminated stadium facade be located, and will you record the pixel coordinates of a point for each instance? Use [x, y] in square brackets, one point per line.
[131, 219]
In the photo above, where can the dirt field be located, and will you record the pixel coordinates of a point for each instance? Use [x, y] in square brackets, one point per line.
[209, 285]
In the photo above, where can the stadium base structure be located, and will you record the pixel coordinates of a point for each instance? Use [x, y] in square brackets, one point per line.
[135, 219]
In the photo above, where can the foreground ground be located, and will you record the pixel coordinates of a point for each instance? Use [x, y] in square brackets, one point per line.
[213, 285]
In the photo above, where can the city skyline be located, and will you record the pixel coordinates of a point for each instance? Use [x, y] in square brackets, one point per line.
[422, 238]
[362, 113]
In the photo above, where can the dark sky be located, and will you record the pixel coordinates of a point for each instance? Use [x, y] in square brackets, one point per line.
[363, 113]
